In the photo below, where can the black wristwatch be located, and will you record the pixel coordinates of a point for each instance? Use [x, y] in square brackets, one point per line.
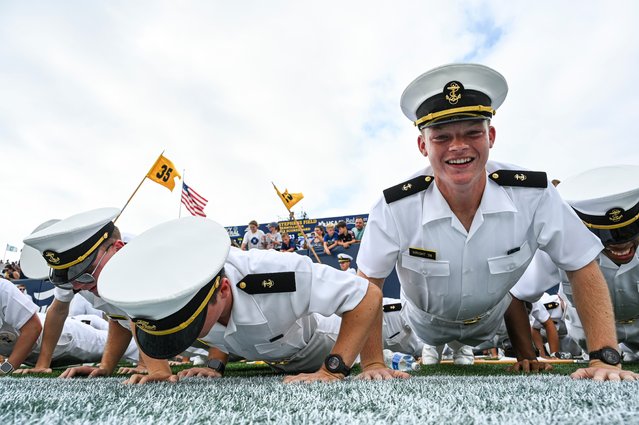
[607, 355]
[216, 365]
[6, 367]
[335, 364]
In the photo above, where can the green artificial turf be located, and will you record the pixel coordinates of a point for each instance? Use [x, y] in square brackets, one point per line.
[478, 394]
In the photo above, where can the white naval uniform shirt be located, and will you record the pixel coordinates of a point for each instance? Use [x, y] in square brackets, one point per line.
[276, 326]
[396, 332]
[473, 270]
[66, 295]
[16, 309]
[538, 315]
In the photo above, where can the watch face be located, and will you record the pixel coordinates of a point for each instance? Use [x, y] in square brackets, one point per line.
[610, 356]
[6, 367]
[333, 363]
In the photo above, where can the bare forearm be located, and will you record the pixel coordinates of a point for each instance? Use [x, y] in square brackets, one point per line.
[217, 354]
[118, 340]
[357, 323]
[592, 301]
[53, 324]
[552, 335]
[518, 327]
[29, 334]
[372, 350]
[539, 342]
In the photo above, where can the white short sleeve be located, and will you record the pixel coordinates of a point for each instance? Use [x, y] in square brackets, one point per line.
[16, 308]
[379, 249]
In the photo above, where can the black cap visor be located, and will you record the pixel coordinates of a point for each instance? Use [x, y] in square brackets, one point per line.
[169, 346]
[61, 277]
[617, 236]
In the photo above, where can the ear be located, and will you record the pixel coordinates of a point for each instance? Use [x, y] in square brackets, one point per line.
[491, 136]
[225, 289]
[118, 245]
[421, 144]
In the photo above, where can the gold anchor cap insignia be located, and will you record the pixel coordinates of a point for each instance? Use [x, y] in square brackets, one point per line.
[615, 215]
[520, 177]
[144, 325]
[51, 257]
[268, 283]
[406, 187]
[454, 89]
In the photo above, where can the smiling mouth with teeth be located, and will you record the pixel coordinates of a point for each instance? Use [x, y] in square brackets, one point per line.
[620, 254]
[459, 161]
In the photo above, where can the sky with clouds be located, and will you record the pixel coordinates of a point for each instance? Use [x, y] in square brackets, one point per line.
[302, 94]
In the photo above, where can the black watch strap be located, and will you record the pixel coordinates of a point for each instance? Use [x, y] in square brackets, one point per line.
[335, 364]
[607, 355]
[217, 365]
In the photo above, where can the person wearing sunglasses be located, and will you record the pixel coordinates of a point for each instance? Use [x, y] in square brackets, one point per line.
[606, 199]
[75, 250]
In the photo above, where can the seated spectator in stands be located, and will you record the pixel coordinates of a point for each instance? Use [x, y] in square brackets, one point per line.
[358, 230]
[330, 238]
[253, 238]
[317, 241]
[345, 237]
[345, 263]
[273, 239]
[11, 272]
[302, 240]
[287, 244]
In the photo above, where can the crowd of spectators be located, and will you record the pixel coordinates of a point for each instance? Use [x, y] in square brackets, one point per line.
[324, 239]
[12, 271]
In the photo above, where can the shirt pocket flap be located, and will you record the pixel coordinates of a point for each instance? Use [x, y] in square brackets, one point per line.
[508, 263]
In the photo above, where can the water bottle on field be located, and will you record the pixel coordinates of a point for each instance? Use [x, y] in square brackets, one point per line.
[400, 361]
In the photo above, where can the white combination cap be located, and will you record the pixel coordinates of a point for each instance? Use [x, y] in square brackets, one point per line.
[454, 92]
[164, 279]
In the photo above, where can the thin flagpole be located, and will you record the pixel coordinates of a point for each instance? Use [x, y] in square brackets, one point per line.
[180, 211]
[137, 188]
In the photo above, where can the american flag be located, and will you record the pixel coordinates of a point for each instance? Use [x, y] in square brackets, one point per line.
[193, 201]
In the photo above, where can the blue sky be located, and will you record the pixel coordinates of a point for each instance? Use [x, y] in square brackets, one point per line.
[302, 94]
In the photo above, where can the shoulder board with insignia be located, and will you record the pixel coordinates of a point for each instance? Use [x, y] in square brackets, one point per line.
[551, 305]
[392, 307]
[520, 178]
[267, 283]
[410, 187]
[117, 317]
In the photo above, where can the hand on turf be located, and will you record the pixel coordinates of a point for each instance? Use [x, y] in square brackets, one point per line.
[33, 370]
[89, 371]
[321, 375]
[379, 372]
[599, 371]
[153, 377]
[131, 370]
[203, 372]
[528, 366]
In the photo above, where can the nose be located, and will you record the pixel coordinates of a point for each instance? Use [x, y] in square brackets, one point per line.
[458, 143]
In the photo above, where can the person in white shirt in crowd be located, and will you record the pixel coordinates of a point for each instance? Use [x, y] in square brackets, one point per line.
[606, 199]
[253, 238]
[462, 231]
[273, 239]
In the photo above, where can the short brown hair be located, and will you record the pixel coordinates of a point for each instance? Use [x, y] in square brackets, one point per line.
[253, 222]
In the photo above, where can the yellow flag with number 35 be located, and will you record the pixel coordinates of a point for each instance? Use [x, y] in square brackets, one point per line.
[163, 172]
